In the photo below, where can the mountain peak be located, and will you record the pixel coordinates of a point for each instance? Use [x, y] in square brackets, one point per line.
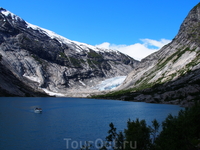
[17, 22]
[172, 73]
[2, 9]
[54, 63]
[198, 5]
[189, 29]
[10, 15]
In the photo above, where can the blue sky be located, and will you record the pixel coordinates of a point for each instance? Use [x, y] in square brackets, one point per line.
[134, 27]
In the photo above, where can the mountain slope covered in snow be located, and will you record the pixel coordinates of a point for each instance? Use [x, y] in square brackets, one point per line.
[46, 61]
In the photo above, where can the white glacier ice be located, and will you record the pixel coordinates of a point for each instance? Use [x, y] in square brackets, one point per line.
[110, 83]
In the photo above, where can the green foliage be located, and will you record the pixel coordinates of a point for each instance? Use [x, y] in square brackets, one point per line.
[93, 54]
[114, 95]
[143, 83]
[62, 55]
[92, 63]
[154, 129]
[194, 62]
[179, 53]
[114, 137]
[75, 62]
[175, 56]
[181, 132]
[136, 136]
[72, 61]
[37, 59]
[137, 131]
[178, 133]
[94, 59]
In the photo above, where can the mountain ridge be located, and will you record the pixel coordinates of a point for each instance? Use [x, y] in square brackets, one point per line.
[182, 44]
[54, 63]
[174, 64]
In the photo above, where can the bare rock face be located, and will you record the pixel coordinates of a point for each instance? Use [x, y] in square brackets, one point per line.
[12, 86]
[53, 63]
[172, 73]
[174, 59]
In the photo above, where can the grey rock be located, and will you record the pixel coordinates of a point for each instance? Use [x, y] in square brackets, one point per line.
[56, 64]
[174, 59]
[172, 74]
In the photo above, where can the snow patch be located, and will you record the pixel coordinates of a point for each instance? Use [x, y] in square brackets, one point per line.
[52, 93]
[13, 16]
[110, 83]
[49, 33]
[82, 83]
[33, 78]
[78, 45]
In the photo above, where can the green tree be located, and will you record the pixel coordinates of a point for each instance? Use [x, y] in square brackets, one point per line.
[137, 132]
[115, 139]
[154, 129]
[181, 132]
[178, 133]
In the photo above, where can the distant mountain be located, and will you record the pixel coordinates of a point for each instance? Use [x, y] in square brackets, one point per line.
[170, 75]
[47, 62]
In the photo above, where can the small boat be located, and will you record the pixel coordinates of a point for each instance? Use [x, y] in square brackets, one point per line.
[38, 110]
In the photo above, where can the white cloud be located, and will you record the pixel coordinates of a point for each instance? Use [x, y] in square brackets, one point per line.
[137, 50]
[159, 44]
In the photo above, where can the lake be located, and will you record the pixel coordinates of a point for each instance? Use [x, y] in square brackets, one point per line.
[68, 122]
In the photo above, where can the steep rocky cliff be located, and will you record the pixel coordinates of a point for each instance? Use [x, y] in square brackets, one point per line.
[12, 86]
[170, 74]
[43, 60]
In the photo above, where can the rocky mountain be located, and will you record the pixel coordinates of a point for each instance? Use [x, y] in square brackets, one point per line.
[12, 86]
[47, 62]
[170, 75]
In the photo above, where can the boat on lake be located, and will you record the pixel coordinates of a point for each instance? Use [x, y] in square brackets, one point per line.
[38, 110]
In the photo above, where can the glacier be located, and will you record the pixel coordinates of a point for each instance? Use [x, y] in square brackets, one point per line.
[56, 65]
[110, 83]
